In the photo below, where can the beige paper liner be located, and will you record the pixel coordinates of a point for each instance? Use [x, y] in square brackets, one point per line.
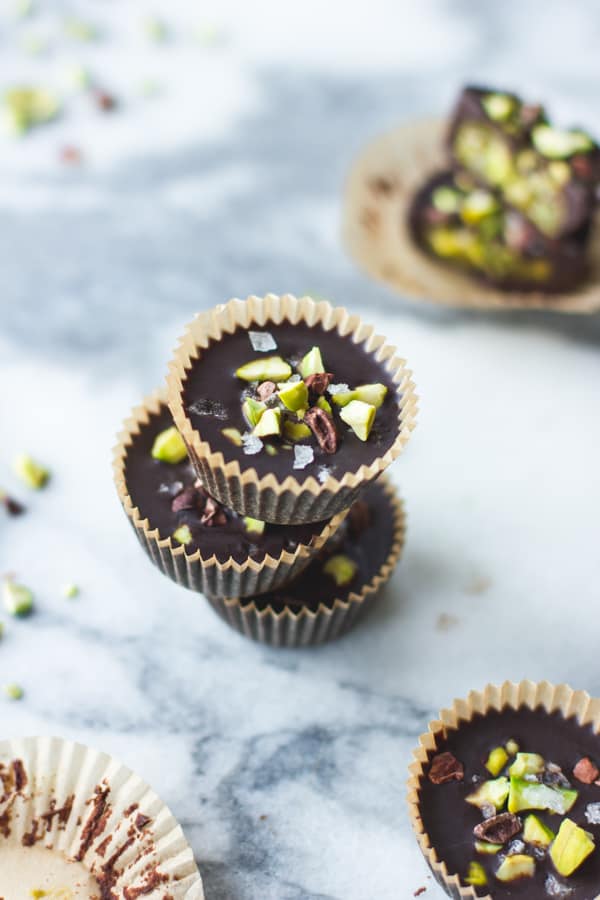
[529, 694]
[207, 575]
[112, 823]
[305, 627]
[378, 195]
[290, 501]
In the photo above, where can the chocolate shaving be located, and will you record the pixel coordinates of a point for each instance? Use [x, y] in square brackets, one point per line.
[96, 822]
[188, 498]
[585, 771]
[30, 837]
[155, 878]
[319, 382]
[322, 426]
[359, 518]
[62, 813]
[266, 390]
[445, 767]
[498, 829]
[141, 821]
[20, 774]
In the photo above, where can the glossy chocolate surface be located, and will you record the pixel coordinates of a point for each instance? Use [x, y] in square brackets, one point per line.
[212, 378]
[449, 820]
[153, 484]
[366, 539]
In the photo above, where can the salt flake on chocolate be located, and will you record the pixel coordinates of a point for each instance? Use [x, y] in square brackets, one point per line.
[303, 456]
[592, 813]
[338, 389]
[252, 444]
[262, 341]
[323, 474]
[555, 889]
[205, 407]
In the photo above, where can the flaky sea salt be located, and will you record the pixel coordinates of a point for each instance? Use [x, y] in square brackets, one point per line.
[252, 444]
[323, 474]
[303, 456]
[555, 889]
[172, 489]
[338, 389]
[592, 813]
[515, 847]
[205, 407]
[262, 341]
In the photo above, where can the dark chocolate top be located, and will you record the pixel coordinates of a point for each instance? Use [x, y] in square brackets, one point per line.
[449, 820]
[154, 485]
[212, 386]
[366, 537]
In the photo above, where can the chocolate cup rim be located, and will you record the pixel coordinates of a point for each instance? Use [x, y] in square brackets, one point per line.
[372, 586]
[225, 318]
[139, 416]
[407, 156]
[508, 695]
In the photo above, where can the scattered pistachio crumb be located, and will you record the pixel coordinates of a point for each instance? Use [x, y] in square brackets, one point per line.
[69, 591]
[169, 447]
[341, 568]
[30, 472]
[183, 534]
[18, 599]
[13, 691]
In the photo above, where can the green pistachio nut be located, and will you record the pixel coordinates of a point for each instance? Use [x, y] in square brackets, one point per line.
[477, 206]
[512, 748]
[514, 867]
[492, 793]
[445, 199]
[312, 363]
[269, 368]
[233, 435]
[553, 143]
[496, 760]
[183, 535]
[296, 431]
[498, 107]
[269, 424]
[559, 172]
[360, 417]
[533, 795]
[253, 410]
[169, 447]
[270, 450]
[322, 403]
[536, 833]
[476, 875]
[25, 107]
[527, 764]
[30, 472]
[14, 691]
[341, 568]
[343, 398]
[294, 396]
[18, 599]
[572, 846]
[488, 849]
[254, 526]
[374, 394]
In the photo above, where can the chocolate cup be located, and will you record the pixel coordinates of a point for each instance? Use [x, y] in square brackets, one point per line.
[378, 196]
[206, 575]
[509, 695]
[305, 627]
[291, 501]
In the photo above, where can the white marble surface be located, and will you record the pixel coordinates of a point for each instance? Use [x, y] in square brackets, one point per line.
[228, 183]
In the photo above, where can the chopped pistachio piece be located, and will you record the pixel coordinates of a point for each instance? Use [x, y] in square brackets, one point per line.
[490, 793]
[18, 599]
[253, 410]
[322, 403]
[14, 691]
[312, 363]
[498, 106]
[488, 849]
[533, 795]
[269, 424]
[517, 866]
[271, 450]
[476, 875]
[30, 472]
[512, 748]
[341, 568]
[496, 760]
[556, 144]
[536, 833]
[255, 526]
[300, 413]
[343, 398]
[233, 435]
[24, 107]
[374, 394]
[527, 764]
[70, 591]
[477, 205]
[183, 535]
[360, 417]
[294, 396]
[572, 846]
[169, 447]
[270, 368]
[296, 431]
[445, 199]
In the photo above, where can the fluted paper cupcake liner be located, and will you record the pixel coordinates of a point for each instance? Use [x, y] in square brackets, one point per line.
[510, 695]
[196, 571]
[379, 192]
[76, 820]
[291, 501]
[305, 627]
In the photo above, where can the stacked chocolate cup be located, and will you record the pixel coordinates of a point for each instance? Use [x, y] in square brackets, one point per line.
[254, 478]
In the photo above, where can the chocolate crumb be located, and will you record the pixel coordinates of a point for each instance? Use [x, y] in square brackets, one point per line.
[498, 829]
[585, 771]
[130, 809]
[104, 100]
[141, 821]
[20, 774]
[12, 506]
[419, 891]
[445, 767]
[96, 822]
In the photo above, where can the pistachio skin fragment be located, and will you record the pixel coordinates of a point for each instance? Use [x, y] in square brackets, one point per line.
[294, 396]
[496, 761]
[269, 368]
[517, 866]
[269, 424]
[253, 410]
[527, 764]
[476, 875]
[512, 748]
[360, 417]
[341, 568]
[296, 431]
[70, 591]
[374, 394]
[324, 404]
[312, 363]
[571, 847]
[18, 599]
[169, 447]
[183, 535]
[254, 526]
[30, 472]
[536, 833]
[233, 435]
[490, 792]
[532, 795]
